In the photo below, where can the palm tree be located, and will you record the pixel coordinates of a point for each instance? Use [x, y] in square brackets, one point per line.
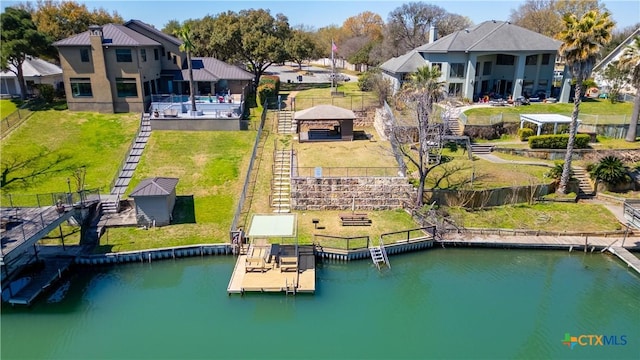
[630, 61]
[422, 91]
[184, 33]
[582, 40]
[610, 170]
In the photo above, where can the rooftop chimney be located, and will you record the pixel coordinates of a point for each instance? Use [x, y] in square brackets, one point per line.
[433, 33]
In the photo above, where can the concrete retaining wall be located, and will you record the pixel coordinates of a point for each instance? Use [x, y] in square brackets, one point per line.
[363, 254]
[346, 193]
[154, 254]
[195, 124]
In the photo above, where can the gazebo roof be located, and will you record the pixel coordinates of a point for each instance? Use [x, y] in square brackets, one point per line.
[273, 226]
[325, 112]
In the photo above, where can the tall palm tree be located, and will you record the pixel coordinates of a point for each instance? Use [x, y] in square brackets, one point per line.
[184, 33]
[422, 91]
[582, 40]
[630, 61]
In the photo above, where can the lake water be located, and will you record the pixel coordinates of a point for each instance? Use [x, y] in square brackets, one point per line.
[441, 303]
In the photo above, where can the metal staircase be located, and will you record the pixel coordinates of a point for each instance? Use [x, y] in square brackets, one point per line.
[379, 255]
[111, 203]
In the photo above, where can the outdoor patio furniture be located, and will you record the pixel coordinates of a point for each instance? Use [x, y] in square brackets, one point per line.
[170, 112]
[258, 256]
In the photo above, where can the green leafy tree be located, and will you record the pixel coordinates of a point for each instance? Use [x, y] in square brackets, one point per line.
[610, 170]
[301, 46]
[581, 39]
[187, 46]
[19, 39]
[251, 36]
[617, 77]
[630, 61]
[62, 19]
[172, 27]
[420, 93]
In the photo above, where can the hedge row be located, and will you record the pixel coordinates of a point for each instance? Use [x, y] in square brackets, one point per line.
[268, 88]
[558, 141]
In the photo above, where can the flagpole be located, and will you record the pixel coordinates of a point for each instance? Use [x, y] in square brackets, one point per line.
[333, 65]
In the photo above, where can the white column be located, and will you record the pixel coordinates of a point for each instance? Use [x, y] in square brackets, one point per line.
[518, 77]
[470, 75]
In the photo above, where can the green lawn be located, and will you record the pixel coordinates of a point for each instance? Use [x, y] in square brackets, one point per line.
[7, 107]
[588, 109]
[211, 166]
[542, 216]
[320, 94]
[44, 152]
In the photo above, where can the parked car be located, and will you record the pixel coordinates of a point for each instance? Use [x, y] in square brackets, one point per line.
[339, 77]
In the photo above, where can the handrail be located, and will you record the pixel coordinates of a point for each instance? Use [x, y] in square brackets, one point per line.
[126, 155]
[245, 186]
[346, 171]
[343, 238]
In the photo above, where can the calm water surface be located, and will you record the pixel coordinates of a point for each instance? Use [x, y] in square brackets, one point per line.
[443, 303]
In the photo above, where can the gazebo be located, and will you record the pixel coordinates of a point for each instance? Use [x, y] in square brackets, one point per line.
[327, 115]
[541, 119]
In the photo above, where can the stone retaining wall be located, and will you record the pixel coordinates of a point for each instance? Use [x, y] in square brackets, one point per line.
[346, 193]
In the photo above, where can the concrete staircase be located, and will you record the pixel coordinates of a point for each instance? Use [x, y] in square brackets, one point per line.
[453, 127]
[586, 189]
[285, 122]
[281, 184]
[111, 203]
[481, 148]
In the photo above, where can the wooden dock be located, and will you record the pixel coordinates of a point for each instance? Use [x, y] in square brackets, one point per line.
[631, 260]
[274, 279]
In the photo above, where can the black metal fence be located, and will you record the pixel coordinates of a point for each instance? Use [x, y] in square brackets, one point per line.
[49, 199]
[341, 242]
[14, 119]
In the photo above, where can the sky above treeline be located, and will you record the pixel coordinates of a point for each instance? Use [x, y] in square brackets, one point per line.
[318, 14]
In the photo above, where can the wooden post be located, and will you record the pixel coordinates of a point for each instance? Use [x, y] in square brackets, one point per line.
[61, 236]
[585, 243]
[626, 231]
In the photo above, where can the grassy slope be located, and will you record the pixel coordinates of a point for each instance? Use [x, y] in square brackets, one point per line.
[7, 107]
[211, 167]
[59, 142]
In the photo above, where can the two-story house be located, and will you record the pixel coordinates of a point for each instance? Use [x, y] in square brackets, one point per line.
[117, 68]
[493, 57]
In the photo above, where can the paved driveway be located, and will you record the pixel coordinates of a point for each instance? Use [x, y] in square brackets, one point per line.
[289, 73]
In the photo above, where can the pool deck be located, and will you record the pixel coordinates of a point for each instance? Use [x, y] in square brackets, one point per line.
[272, 279]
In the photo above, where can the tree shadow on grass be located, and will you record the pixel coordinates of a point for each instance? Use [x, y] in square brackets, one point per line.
[184, 211]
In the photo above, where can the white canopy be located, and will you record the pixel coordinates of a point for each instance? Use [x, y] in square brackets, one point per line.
[541, 119]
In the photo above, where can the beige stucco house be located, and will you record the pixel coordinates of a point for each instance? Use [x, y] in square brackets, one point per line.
[117, 68]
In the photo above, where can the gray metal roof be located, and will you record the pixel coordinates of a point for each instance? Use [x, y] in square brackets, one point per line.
[132, 23]
[406, 63]
[209, 69]
[325, 112]
[112, 35]
[158, 186]
[492, 36]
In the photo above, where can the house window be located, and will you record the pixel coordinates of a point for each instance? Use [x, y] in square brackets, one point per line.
[81, 87]
[84, 55]
[487, 68]
[531, 60]
[437, 66]
[455, 89]
[456, 70]
[143, 55]
[126, 87]
[545, 59]
[502, 59]
[168, 55]
[174, 59]
[123, 55]
[155, 54]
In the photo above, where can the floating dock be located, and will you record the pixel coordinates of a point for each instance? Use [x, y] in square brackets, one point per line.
[274, 279]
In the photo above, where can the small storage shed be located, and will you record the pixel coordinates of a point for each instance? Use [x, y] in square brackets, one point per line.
[154, 199]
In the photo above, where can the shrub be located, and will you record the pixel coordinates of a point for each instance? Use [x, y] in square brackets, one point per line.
[556, 171]
[46, 92]
[265, 92]
[558, 141]
[271, 79]
[525, 133]
[610, 170]
[451, 146]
